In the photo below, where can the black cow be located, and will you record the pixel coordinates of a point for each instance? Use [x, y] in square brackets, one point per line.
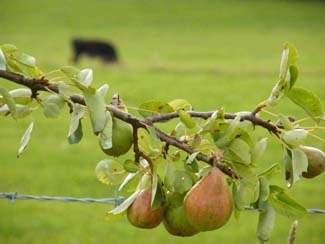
[94, 48]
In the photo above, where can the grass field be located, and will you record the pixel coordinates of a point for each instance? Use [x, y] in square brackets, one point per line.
[211, 53]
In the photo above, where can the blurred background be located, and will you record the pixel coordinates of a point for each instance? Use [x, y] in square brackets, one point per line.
[212, 53]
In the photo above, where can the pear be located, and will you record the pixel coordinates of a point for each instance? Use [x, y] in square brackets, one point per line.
[141, 215]
[175, 220]
[122, 138]
[316, 162]
[208, 205]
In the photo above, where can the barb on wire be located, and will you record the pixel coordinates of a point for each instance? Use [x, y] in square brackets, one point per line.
[13, 196]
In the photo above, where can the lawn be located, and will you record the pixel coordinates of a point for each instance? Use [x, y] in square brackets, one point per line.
[212, 53]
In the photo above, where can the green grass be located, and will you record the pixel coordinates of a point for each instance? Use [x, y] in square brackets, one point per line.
[213, 53]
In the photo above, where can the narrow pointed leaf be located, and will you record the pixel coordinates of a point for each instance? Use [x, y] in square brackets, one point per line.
[105, 136]
[154, 107]
[299, 164]
[25, 139]
[186, 119]
[126, 204]
[75, 131]
[85, 77]
[259, 149]
[265, 225]
[154, 185]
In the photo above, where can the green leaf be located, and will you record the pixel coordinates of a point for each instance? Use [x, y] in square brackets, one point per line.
[8, 48]
[293, 71]
[191, 164]
[299, 164]
[154, 185]
[26, 59]
[2, 61]
[70, 71]
[148, 143]
[75, 131]
[259, 149]
[308, 101]
[109, 172]
[180, 104]
[130, 182]
[130, 166]
[240, 150]
[9, 100]
[182, 181]
[295, 137]
[284, 204]
[105, 136]
[25, 139]
[54, 98]
[264, 189]
[21, 95]
[169, 176]
[126, 203]
[271, 171]
[51, 110]
[265, 225]
[228, 135]
[278, 92]
[85, 77]
[22, 111]
[154, 107]
[64, 89]
[97, 110]
[159, 196]
[186, 119]
[289, 57]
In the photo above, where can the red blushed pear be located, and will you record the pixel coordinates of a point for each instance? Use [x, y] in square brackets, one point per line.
[141, 215]
[208, 205]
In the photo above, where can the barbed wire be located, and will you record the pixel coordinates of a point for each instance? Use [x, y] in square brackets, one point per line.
[13, 196]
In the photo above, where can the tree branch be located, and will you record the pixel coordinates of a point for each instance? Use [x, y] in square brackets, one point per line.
[44, 84]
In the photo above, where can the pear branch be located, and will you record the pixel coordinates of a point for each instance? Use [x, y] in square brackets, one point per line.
[43, 84]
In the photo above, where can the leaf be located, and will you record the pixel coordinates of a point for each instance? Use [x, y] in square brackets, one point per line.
[264, 189]
[227, 137]
[284, 204]
[284, 120]
[51, 110]
[265, 225]
[241, 150]
[180, 104]
[25, 139]
[75, 131]
[154, 185]
[2, 61]
[308, 101]
[289, 57]
[126, 203]
[97, 111]
[22, 111]
[154, 107]
[148, 143]
[9, 100]
[191, 164]
[295, 137]
[64, 89]
[109, 172]
[70, 71]
[182, 181]
[21, 95]
[271, 171]
[278, 92]
[186, 119]
[293, 71]
[169, 176]
[130, 166]
[259, 149]
[105, 137]
[26, 59]
[85, 77]
[132, 179]
[159, 196]
[8, 48]
[299, 164]
[54, 98]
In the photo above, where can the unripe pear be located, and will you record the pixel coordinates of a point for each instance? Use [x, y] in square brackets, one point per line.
[175, 220]
[141, 215]
[121, 138]
[208, 205]
[316, 162]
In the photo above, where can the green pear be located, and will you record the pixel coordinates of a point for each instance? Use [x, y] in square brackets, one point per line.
[141, 215]
[316, 162]
[122, 138]
[208, 205]
[175, 220]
